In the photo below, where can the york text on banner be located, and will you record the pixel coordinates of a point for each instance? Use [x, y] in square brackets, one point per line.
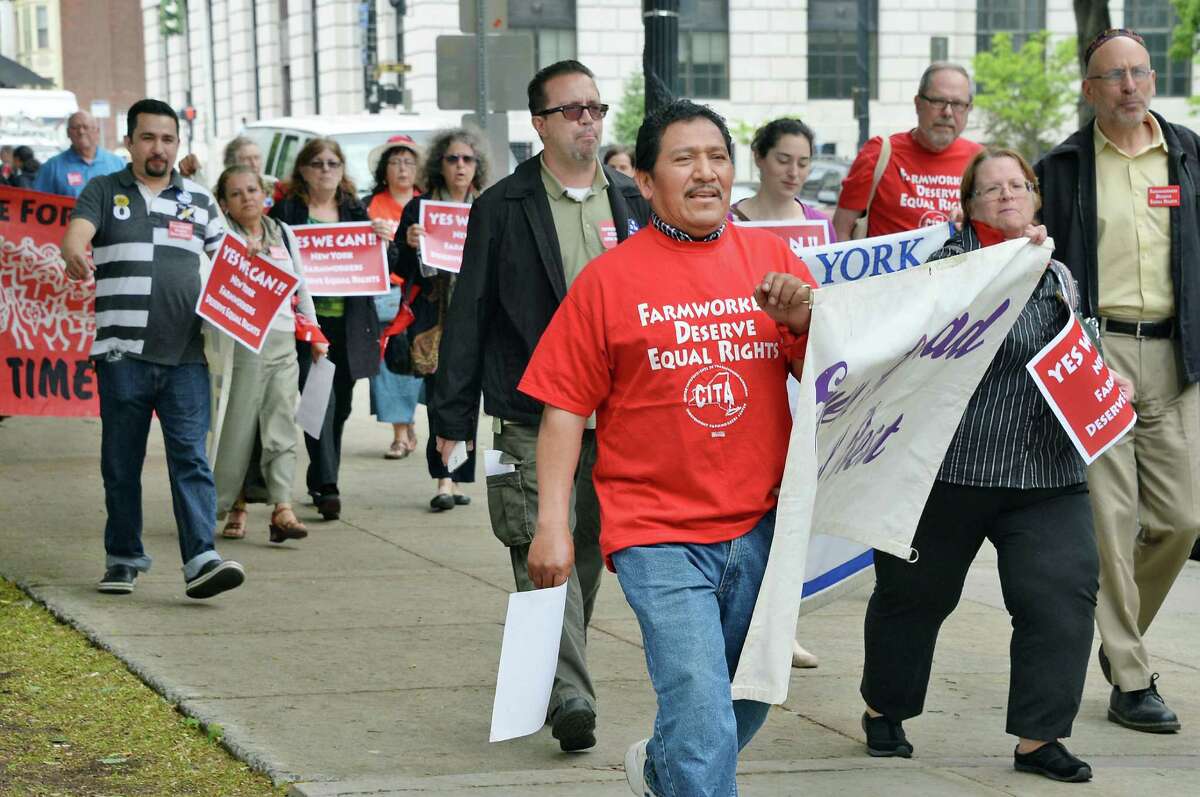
[346, 259]
[242, 294]
[890, 367]
[1081, 391]
[47, 322]
[850, 261]
[445, 225]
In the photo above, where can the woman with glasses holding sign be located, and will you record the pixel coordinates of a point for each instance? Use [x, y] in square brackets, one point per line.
[1012, 476]
[319, 192]
[261, 397]
[455, 171]
[394, 396]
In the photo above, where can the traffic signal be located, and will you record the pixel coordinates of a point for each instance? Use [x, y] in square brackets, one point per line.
[189, 113]
[171, 17]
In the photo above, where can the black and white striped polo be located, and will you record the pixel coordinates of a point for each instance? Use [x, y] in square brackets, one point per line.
[148, 251]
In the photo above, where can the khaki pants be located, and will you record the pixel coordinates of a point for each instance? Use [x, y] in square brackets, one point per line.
[512, 504]
[1146, 501]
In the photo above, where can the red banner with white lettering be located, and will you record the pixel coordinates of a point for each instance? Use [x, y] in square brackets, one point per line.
[346, 259]
[1081, 390]
[243, 294]
[445, 225]
[47, 322]
[798, 234]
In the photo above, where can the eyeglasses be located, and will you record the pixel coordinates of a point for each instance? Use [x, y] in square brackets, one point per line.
[401, 162]
[321, 165]
[466, 159]
[939, 104]
[993, 192]
[574, 111]
[1140, 74]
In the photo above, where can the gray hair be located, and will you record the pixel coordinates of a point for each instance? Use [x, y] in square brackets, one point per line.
[432, 179]
[940, 66]
[233, 147]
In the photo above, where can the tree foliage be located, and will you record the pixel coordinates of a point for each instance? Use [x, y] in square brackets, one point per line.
[1186, 36]
[1026, 95]
[632, 110]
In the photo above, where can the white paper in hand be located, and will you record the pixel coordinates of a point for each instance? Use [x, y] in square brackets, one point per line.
[458, 455]
[528, 659]
[314, 400]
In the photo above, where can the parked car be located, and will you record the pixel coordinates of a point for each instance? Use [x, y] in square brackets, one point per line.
[357, 134]
[824, 183]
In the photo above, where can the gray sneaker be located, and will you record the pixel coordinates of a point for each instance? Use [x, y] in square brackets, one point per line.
[635, 768]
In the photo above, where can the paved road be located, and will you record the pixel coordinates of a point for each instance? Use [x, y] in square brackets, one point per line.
[361, 660]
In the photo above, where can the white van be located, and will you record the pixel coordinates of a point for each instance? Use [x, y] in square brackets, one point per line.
[357, 134]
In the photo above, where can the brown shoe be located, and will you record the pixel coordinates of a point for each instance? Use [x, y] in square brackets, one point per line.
[286, 526]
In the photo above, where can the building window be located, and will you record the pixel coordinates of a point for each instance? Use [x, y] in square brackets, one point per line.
[43, 28]
[703, 49]
[1154, 19]
[1019, 18]
[552, 24]
[833, 48]
[939, 49]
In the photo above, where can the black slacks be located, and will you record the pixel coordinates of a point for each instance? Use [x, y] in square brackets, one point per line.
[1049, 574]
[325, 454]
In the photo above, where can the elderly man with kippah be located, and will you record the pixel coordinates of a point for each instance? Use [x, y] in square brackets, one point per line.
[1121, 205]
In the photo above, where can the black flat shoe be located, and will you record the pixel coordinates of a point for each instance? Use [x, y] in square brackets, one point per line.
[462, 500]
[1142, 710]
[1105, 667]
[885, 738]
[441, 502]
[574, 725]
[330, 506]
[1053, 761]
[118, 580]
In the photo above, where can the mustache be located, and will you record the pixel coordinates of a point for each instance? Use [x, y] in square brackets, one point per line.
[705, 187]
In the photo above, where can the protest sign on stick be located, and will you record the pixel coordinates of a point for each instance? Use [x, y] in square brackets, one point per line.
[47, 321]
[243, 294]
[1081, 391]
[445, 225]
[346, 259]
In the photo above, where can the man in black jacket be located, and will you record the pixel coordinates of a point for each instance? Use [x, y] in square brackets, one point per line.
[1120, 201]
[528, 238]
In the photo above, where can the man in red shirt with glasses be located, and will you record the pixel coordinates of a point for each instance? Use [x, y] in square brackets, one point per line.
[911, 179]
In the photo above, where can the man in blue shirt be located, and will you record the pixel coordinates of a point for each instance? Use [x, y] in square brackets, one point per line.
[68, 171]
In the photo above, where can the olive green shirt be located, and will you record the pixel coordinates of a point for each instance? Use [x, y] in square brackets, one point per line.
[584, 225]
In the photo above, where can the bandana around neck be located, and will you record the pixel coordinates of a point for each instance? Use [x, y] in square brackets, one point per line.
[680, 235]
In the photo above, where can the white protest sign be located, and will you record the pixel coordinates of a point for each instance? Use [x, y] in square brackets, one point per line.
[891, 365]
[850, 261]
[528, 659]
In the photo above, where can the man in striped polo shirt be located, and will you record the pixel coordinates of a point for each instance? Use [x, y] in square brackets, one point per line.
[150, 229]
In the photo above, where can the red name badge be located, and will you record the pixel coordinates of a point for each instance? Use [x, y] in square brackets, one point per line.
[74, 179]
[1163, 196]
[608, 234]
[180, 229]
[278, 253]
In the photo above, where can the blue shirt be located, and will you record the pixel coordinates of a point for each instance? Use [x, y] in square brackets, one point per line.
[67, 173]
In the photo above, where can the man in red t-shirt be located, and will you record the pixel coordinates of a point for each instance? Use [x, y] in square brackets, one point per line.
[919, 184]
[680, 340]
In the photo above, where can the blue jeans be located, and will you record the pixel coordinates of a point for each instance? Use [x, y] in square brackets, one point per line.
[131, 391]
[693, 603]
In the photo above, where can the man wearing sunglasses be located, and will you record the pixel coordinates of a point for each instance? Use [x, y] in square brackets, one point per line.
[910, 179]
[1121, 205]
[529, 236]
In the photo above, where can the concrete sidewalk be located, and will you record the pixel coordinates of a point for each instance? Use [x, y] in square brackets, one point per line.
[361, 660]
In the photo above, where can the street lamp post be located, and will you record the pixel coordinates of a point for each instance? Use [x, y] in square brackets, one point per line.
[660, 56]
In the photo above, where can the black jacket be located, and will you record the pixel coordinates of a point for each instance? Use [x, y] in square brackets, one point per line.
[362, 323]
[1067, 176]
[511, 283]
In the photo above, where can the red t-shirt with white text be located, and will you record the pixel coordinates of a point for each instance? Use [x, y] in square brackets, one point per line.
[918, 188]
[663, 340]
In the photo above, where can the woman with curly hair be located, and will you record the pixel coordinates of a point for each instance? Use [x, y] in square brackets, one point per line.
[455, 171]
[319, 192]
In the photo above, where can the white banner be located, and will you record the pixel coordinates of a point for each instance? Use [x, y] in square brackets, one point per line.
[850, 261]
[890, 367]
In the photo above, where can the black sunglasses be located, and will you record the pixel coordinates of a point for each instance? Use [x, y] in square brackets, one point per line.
[467, 159]
[574, 111]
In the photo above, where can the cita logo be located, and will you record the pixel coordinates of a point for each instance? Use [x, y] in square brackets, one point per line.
[715, 397]
[932, 218]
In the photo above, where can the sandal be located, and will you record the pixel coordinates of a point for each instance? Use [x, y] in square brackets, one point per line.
[289, 529]
[397, 450]
[235, 529]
